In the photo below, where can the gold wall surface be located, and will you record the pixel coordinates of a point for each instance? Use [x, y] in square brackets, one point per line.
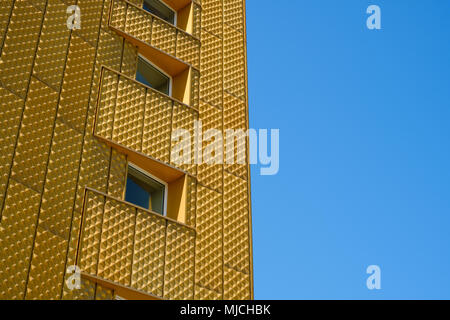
[71, 117]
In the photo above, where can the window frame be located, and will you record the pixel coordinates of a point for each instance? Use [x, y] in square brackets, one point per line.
[160, 70]
[165, 184]
[175, 13]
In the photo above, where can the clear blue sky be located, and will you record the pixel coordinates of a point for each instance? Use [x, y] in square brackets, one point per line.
[364, 119]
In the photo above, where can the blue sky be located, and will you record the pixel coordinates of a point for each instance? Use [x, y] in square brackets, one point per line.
[364, 136]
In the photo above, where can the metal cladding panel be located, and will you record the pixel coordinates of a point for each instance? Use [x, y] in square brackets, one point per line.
[237, 285]
[33, 147]
[233, 14]
[212, 16]
[10, 115]
[183, 118]
[61, 181]
[236, 223]
[74, 98]
[179, 263]
[211, 65]
[91, 233]
[210, 175]
[129, 114]
[139, 24]
[116, 244]
[53, 43]
[188, 49]
[208, 245]
[234, 68]
[47, 266]
[17, 230]
[19, 48]
[117, 174]
[191, 203]
[157, 126]
[91, 11]
[164, 36]
[148, 258]
[5, 10]
[206, 294]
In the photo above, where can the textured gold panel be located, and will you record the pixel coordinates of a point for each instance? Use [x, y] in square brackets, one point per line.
[191, 202]
[91, 13]
[35, 135]
[139, 24]
[211, 81]
[210, 174]
[129, 60]
[212, 17]
[107, 104]
[116, 245]
[91, 233]
[77, 80]
[129, 114]
[206, 294]
[148, 258]
[157, 122]
[94, 164]
[17, 231]
[61, 182]
[118, 14]
[53, 43]
[233, 14]
[183, 118]
[20, 46]
[196, 32]
[109, 50]
[188, 49]
[5, 11]
[237, 285]
[236, 223]
[234, 117]
[117, 174]
[47, 266]
[195, 89]
[208, 247]
[164, 36]
[10, 114]
[234, 113]
[234, 68]
[179, 263]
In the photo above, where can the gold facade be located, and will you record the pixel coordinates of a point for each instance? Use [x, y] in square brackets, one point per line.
[71, 118]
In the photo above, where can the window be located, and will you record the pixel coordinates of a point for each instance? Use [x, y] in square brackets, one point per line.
[153, 77]
[161, 10]
[145, 190]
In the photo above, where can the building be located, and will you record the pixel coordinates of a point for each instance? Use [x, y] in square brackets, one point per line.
[87, 177]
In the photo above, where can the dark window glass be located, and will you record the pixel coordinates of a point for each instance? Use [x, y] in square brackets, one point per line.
[152, 77]
[160, 10]
[144, 191]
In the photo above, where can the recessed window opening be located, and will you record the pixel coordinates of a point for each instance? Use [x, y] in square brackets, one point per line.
[161, 10]
[145, 190]
[153, 77]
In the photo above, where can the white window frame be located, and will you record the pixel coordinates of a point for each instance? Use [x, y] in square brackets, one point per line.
[165, 184]
[160, 70]
[175, 15]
